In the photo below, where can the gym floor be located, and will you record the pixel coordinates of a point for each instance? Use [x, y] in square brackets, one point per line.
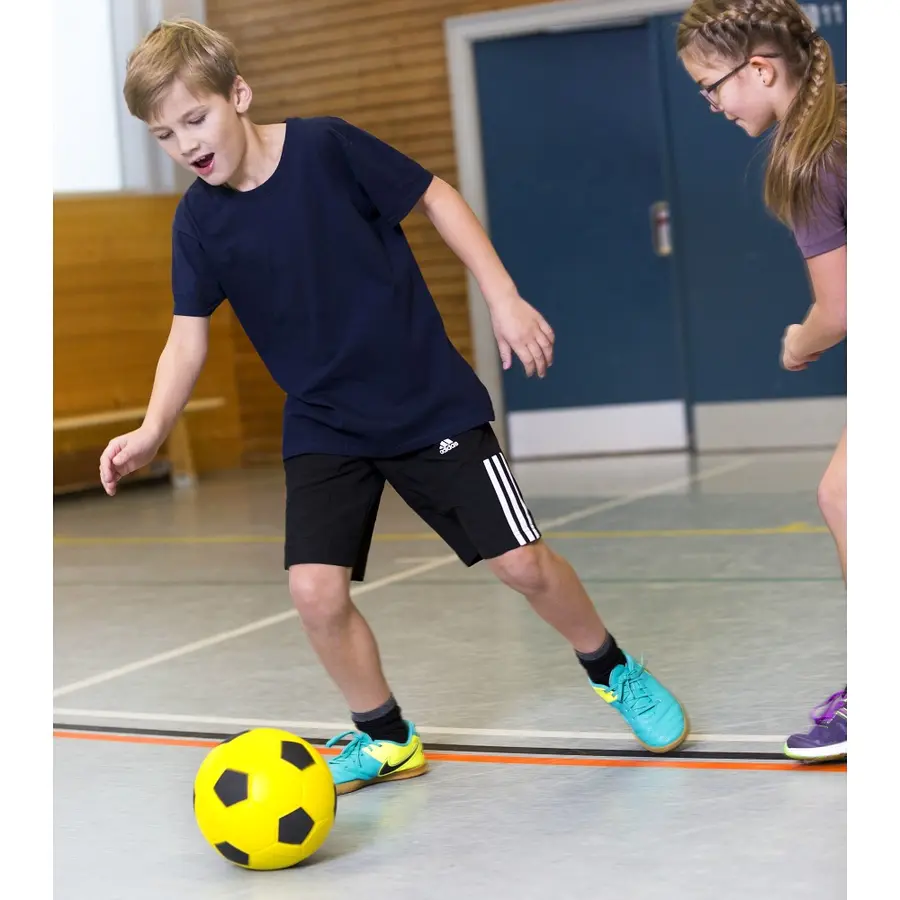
[173, 628]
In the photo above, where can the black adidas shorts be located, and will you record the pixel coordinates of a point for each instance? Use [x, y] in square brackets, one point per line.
[462, 487]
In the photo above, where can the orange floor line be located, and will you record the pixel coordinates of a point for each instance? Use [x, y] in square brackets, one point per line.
[497, 759]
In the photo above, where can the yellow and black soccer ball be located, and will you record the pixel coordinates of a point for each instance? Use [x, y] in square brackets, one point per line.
[265, 799]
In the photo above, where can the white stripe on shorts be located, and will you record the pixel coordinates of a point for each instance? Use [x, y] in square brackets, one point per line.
[522, 504]
[520, 522]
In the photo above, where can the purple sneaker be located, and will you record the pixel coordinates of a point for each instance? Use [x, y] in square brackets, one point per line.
[827, 739]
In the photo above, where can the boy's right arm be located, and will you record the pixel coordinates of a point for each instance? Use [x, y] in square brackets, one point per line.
[179, 367]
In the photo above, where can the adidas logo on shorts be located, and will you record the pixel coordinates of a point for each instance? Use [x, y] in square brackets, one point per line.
[447, 444]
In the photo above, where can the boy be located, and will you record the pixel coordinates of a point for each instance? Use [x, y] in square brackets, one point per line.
[298, 225]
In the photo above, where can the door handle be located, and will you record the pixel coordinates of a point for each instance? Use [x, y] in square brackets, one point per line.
[661, 228]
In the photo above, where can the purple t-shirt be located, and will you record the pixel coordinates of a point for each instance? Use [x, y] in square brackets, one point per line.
[826, 228]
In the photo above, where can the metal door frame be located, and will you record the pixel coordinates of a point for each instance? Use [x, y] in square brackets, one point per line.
[461, 33]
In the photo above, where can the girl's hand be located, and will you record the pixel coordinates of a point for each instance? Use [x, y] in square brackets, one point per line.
[791, 358]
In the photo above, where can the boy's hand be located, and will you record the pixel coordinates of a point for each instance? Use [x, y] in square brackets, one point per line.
[791, 359]
[521, 329]
[125, 454]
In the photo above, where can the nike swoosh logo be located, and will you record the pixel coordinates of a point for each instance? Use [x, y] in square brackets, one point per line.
[387, 768]
[608, 696]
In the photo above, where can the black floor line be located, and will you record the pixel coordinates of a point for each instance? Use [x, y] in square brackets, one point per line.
[589, 752]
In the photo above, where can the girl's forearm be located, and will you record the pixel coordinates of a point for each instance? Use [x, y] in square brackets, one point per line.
[820, 331]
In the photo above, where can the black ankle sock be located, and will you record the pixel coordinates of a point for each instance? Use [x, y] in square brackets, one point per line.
[600, 664]
[383, 724]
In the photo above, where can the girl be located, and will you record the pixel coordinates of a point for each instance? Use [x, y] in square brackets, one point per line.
[762, 64]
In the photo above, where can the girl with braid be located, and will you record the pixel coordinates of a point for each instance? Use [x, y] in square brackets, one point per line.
[762, 64]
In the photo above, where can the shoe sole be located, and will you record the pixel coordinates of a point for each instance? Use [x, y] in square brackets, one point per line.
[675, 744]
[348, 787]
[811, 755]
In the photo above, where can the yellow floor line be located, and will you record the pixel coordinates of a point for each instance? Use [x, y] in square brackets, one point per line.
[400, 537]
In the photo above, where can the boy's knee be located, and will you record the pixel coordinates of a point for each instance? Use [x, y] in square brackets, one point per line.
[525, 569]
[320, 594]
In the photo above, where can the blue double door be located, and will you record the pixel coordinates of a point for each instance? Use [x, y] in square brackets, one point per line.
[600, 158]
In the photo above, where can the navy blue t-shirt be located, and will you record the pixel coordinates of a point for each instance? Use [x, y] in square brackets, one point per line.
[320, 275]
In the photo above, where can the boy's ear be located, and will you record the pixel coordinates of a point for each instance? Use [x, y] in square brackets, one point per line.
[241, 95]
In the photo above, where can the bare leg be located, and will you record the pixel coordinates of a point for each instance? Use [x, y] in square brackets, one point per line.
[555, 592]
[557, 595]
[833, 500]
[339, 634]
[827, 740]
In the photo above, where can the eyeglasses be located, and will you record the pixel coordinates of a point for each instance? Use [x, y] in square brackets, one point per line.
[708, 93]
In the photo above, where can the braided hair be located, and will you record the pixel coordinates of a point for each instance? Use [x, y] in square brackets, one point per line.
[812, 138]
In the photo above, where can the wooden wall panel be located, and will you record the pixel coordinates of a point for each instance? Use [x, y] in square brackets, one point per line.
[112, 310]
[381, 65]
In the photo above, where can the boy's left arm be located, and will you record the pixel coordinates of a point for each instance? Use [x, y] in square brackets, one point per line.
[518, 327]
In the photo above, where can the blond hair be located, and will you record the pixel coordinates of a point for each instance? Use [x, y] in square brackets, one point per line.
[812, 138]
[182, 48]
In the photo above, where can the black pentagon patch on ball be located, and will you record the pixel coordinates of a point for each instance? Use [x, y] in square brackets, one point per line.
[294, 828]
[296, 754]
[231, 787]
[232, 854]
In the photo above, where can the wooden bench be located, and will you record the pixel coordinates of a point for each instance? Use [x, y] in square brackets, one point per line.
[182, 472]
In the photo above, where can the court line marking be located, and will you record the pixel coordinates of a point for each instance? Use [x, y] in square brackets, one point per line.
[500, 759]
[335, 727]
[404, 575]
[789, 529]
[792, 528]
[690, 751]
[662, 581]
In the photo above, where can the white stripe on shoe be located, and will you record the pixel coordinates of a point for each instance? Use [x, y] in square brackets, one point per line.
[817, 754]
[504, 503]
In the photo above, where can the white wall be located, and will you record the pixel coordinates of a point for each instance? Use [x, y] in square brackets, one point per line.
[97, 145]
[86, 153]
